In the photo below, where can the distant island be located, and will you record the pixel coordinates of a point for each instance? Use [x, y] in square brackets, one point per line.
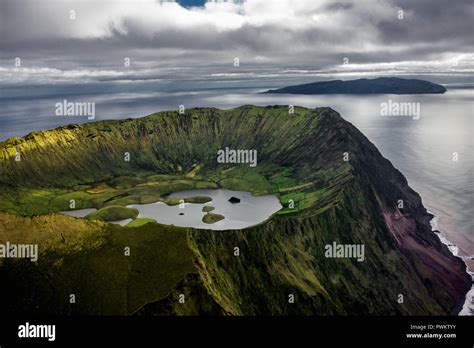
[381, 85]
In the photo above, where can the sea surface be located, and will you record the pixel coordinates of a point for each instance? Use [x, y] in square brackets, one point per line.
[433, 151]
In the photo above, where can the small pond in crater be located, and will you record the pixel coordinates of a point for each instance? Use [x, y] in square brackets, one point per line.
[84, 212]
[250, 211]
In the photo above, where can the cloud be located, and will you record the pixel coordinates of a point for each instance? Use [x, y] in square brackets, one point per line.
[268, 37]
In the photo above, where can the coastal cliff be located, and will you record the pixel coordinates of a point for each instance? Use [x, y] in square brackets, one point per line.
[341, 188]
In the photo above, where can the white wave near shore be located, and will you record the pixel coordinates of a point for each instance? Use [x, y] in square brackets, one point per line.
[468, 306]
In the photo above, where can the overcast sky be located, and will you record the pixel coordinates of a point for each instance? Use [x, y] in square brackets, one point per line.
[166, 40]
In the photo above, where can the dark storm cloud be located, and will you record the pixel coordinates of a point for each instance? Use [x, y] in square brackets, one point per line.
[435, 22]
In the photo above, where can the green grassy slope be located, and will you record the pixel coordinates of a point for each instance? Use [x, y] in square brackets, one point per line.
[166, 143]
[88, 259]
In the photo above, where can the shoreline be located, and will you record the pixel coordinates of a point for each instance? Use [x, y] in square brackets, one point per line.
[467, 308]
